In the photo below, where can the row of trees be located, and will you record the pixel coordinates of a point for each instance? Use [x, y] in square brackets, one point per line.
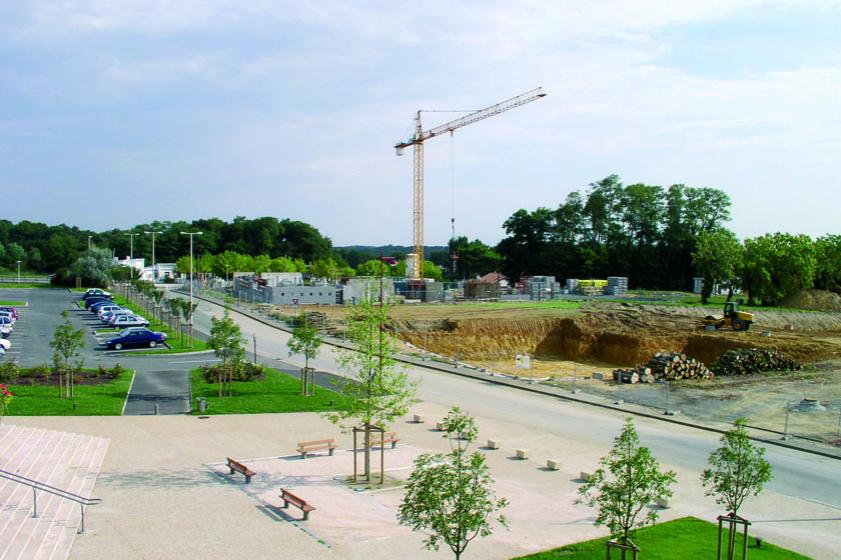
[48, 248]
[768, 268]
[645, 232]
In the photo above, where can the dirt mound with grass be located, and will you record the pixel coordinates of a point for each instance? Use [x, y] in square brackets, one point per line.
[817, 300]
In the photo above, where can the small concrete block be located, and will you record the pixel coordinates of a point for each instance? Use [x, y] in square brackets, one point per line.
[419, 418]
[493, 444]
[662, 502]
[522, 454]
[585, 476]
[553, 464]
[439, 426]
[598, 375]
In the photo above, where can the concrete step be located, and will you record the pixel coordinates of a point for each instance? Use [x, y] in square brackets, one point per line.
[64, 460]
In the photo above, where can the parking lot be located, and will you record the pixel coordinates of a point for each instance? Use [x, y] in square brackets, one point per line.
[160, 380]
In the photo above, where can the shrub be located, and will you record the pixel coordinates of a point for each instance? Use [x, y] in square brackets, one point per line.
[9, 372]
[117, 370]
[244, 371]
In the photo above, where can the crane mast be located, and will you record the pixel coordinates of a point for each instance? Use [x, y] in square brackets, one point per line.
[417, 140]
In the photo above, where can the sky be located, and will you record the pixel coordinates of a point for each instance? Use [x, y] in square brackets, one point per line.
[115, 113]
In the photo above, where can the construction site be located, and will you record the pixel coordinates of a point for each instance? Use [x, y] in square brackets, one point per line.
[579, 344]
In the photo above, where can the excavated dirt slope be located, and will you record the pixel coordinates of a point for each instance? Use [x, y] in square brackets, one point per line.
[621, 334]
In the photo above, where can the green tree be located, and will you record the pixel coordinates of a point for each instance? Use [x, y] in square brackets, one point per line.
[450, 497]
[377, 390]
[95, 268]
[14, 253]
[283, 264]
[226, 341]
[635, 482]
[718, 258]
[778, 265]
[828, 259]
[67, 343]
[305, 341]
[738, 469]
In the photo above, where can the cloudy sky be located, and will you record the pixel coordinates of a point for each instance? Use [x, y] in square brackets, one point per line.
[114, 113]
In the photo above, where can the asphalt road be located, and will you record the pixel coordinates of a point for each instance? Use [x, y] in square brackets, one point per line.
[796, 473]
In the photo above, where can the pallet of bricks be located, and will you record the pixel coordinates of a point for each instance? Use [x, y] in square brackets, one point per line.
[616, 286]
[664, 366]
[316, 319]
[592, 287]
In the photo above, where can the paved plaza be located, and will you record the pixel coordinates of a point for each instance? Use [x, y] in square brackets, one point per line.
[166, 492]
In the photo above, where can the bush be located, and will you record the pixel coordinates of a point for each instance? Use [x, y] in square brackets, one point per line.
[244, 371]
[9, 372]
[117, 370]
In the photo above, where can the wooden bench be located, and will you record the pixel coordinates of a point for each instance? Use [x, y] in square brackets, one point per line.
[305, 447]
[236, 466]
[390, 437]
[290, 498]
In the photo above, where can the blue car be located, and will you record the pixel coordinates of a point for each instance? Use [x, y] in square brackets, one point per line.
[135, 338]
[92, 300]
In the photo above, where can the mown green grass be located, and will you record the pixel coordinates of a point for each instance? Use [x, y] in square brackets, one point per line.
[686, 538]
[173, 340]
[12, 302]
[105, 399]
[277, 392]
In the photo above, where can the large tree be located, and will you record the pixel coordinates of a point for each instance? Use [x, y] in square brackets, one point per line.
[778, 265]
[718, 258]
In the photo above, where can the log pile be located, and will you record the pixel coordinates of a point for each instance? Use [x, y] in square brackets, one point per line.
[746, 361]
[664, 365]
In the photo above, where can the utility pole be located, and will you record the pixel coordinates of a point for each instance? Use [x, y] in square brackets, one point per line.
[131, 253]
[190, 318]
[154, 272]
[89, 245]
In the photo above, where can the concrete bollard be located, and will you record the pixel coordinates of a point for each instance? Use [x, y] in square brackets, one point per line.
[553, 464]
[419, 418]
[522, 454]
[493, 444]
[662, 502]
[439, 426]
[585, 476]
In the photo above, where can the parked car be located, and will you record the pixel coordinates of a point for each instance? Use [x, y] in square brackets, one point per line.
[108, 315]
[103, 309]
[96, 299]
[9, 315]
[7, 322]
[100, 304]
[5, 331]
[12, 309]
[129, 321]
[92, 292]
[5, 344]
[135, 338]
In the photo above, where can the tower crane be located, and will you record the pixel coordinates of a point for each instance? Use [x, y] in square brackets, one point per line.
[420, 136]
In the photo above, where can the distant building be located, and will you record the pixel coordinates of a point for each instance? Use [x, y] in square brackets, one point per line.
[251, 289]
[494, 278]
[161, 272]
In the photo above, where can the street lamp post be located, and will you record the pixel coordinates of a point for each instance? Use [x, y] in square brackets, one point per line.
[190, 318]
[131, 253]
[154, 272]
[18, 271]
[89, 245]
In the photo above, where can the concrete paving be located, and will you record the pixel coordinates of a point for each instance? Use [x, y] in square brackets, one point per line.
[159, 392]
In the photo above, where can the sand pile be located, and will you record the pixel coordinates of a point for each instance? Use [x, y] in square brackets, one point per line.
[817, 300]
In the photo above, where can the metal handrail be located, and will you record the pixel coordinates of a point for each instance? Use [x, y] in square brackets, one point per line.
[36, 485]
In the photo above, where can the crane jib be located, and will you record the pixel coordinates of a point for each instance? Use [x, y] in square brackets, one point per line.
[479, 115]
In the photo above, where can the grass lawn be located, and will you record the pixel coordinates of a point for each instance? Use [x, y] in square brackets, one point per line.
[688, 538]
[172, 338]
[26, 285]
[277, 392]
[91, 400]
[12, 302]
